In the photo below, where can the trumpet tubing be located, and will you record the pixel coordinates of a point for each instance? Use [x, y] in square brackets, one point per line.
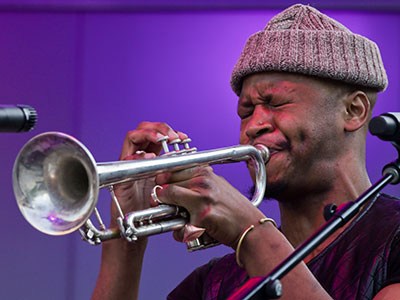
[56, 184]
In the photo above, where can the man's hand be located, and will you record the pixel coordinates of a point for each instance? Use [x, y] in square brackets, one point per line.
[141, 143]
[211, 201]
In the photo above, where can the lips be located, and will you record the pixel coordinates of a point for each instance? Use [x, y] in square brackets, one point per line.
[273, 147]
[272, 152]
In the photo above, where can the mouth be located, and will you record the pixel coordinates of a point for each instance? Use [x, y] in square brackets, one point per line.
[277, 147]
[272, 153]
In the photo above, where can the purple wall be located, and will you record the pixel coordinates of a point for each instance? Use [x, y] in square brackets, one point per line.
[96, 76]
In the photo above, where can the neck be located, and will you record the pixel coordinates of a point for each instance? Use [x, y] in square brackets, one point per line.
[302, 215]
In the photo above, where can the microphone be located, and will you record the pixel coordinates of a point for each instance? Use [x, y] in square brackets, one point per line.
[17, 118]
[386, 127]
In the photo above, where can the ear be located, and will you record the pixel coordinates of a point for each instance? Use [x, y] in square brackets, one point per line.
[357, 109]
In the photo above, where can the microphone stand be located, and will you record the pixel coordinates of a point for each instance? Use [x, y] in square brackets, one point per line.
[270, 287]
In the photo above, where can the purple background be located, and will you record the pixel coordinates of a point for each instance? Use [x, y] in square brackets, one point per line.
[95, 69]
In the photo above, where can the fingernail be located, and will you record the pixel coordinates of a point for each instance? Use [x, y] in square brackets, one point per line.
[159, 135]
[149, 155]
[174, 134]
[182, 133]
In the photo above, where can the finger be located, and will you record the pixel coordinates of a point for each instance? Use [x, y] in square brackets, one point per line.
[162, 128]
[174, 194]
[140, 155]
[198, 205]
[178, 234]
[177, 176]
[188, 233]
[182, 136]
[141, 139]
[183, 175]
[146, 137]
[191, 232]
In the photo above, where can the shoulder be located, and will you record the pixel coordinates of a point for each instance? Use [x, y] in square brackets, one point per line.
[366, 254]
[391, 218]
[384, 214]
[377, 227]
[192, 286]
[223, 278]
[385, 201]
[206, 280]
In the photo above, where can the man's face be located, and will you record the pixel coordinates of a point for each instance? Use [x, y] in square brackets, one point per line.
[288, 113]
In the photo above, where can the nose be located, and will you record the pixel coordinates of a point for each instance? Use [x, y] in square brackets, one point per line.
[260, 123]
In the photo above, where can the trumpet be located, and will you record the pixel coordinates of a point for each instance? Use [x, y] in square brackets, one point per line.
[56, 183]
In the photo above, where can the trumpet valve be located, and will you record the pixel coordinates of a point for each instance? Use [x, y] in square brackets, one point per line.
[186, 146]
[175, 143]
[163, 140]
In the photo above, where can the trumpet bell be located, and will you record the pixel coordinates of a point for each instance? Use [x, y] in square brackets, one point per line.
[55, 183]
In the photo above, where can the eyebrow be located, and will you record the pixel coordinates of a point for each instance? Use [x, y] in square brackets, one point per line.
[266, 99]
[266, 92]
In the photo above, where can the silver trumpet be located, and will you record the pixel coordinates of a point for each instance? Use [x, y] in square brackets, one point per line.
[56, 184]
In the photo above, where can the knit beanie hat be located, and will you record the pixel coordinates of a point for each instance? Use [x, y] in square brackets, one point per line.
[303, 40]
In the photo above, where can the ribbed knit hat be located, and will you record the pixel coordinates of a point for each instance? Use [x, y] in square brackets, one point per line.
[303, 40]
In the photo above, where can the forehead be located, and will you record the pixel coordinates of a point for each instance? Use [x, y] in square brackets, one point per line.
[281, 84]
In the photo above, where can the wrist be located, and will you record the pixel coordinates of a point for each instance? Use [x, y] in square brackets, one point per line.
[257, 247]
[124, 250]
[120, 270]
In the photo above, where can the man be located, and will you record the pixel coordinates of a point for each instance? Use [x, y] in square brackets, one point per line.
[306, 88]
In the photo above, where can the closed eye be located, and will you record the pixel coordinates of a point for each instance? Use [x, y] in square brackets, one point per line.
[245, 111]
[244, 116]
[279, 104]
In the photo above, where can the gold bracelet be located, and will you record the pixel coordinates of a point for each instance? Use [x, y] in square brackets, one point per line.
[263, 220]
[250, 228]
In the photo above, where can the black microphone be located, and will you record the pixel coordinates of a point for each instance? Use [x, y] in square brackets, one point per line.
[386, 127]
[17, 118]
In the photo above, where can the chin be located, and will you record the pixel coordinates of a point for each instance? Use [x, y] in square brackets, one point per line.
[274, 190]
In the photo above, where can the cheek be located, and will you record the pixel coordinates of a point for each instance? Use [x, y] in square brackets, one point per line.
[243, 138]
[302, 136]
[292, 129]
[315, 142]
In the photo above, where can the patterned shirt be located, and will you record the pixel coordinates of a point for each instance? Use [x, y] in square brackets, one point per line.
[361, 261]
